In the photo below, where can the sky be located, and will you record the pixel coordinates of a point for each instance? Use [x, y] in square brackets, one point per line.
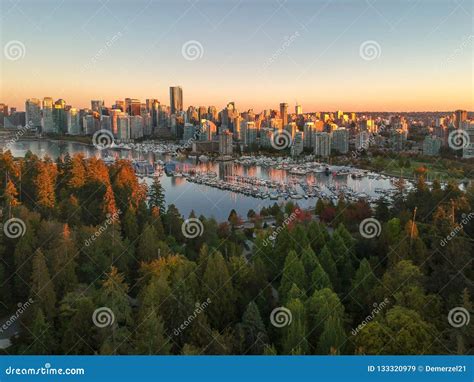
[360, 55]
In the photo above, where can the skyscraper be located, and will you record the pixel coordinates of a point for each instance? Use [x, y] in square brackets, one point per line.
[73, 125]
[155, 113]
[97, 105]
[284, 113]
[322, 144]
[176, 99]
[308, 136]
[225, 143]
[59, 116]
[298, 110]
[340, 140]
[47, 114]
[461, 116]
[132, 106]
[33, 112]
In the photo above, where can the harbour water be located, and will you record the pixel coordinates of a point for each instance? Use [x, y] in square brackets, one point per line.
[210, 200]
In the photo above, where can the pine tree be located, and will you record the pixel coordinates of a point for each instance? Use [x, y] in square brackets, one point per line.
[294, 335]
[329, 266]
[319, 278]
[113, 295]
[42, 339]
[332, 338]
[130, 225]
[322, 305]
[157, 196]
[148, 244]
[217, 285]
[63, 264]
[362, 290]
[150, 338]
[42, 289]
[293, 273]
[254, 333]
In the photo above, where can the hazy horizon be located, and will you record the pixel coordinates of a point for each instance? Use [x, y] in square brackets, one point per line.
[356, 56]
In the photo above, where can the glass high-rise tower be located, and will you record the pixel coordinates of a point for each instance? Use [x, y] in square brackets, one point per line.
[176, 99]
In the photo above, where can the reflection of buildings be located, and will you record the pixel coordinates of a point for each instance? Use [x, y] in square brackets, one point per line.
[205, 147]
[226, 169]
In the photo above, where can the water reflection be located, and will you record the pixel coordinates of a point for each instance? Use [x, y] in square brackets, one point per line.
[202, 199]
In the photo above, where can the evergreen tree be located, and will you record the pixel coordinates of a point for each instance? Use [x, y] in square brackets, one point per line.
[42, 289]
[217, 285]
[150, 338]
[42, 340]
[157, 196]
[254, 333]
[293, 273]
[294, 335]
[332, 338]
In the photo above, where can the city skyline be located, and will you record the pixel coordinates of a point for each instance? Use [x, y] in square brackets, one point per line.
[367, 56]
[291, 107]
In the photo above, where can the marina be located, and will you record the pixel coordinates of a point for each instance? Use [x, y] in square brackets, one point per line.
[211, 188]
